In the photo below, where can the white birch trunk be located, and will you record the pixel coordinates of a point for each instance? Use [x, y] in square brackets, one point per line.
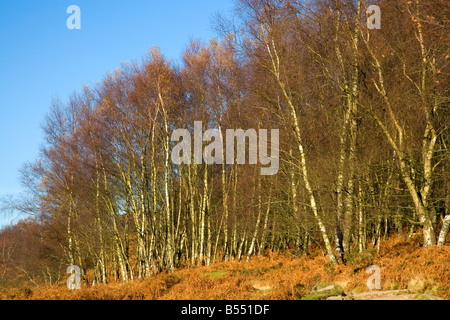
[444, 230]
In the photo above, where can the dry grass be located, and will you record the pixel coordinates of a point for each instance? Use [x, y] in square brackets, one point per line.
[404, 265]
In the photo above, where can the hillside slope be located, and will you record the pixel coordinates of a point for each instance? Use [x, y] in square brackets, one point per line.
[403, 265]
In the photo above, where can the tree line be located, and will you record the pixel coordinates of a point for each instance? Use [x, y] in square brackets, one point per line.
[363, 118]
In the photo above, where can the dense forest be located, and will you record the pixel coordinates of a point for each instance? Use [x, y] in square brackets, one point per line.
[364, 133]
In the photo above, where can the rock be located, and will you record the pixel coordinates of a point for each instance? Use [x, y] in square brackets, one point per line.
[264, 288]
[330, 287]
[336, 298]
[323, 290]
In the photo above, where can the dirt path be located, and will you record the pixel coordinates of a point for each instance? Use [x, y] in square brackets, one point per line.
[385, 295]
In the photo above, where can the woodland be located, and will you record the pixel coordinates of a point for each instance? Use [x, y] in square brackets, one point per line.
[364, 134]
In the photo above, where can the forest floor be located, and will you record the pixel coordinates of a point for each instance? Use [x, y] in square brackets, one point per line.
[408, 272]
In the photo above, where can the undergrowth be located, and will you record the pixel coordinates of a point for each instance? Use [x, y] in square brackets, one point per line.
[403, 265]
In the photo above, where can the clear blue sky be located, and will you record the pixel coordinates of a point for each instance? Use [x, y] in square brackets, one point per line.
[40, 58]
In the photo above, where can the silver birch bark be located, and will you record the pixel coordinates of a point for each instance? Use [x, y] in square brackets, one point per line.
[444, 230]
[275, 61]
[396, 140]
